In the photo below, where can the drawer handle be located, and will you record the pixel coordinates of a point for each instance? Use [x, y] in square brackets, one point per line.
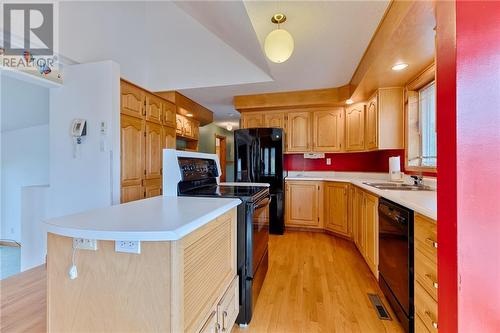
[434, 283]
[432, 243]
[224, 316]
[434, 324]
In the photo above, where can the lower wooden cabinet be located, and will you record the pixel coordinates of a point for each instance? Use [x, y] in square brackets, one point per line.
[336, 208]
[426, 283]
[303, 200]
[370, 222]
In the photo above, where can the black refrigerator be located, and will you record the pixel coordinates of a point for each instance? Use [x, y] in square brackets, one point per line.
[259, 159]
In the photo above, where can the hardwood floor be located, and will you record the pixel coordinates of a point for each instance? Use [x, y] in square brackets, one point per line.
[315, 283]
[22, 297]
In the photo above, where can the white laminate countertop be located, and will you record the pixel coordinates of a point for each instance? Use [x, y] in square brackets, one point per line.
[160, 218]
[422, 202]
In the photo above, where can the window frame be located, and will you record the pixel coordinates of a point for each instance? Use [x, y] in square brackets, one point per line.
[422, 80]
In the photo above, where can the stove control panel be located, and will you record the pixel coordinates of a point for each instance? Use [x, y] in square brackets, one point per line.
[197, 168]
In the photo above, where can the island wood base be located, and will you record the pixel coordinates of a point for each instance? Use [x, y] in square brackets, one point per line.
[171, 286]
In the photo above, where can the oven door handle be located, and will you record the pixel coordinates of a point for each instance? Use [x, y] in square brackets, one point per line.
[263, 203]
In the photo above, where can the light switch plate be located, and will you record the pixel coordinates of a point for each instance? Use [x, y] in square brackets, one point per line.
[328, 161]
[128, 246]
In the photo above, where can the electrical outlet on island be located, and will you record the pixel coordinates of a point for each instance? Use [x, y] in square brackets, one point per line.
[85, 244]
[128, 246]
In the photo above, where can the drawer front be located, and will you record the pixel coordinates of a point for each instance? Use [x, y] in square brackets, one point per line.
[426, 273]
[228, 307]
[426, 308]
[210, 325]
[426, 236]
[420, 326]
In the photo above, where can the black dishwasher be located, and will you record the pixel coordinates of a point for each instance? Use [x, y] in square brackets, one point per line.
[396, 259]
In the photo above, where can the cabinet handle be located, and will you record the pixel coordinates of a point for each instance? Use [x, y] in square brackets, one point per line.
[431, 242]
[429, 315]
[224, 316]
[434, 283]
[217, 327]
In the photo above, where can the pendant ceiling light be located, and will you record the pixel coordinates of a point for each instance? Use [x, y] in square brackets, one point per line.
[279, 43]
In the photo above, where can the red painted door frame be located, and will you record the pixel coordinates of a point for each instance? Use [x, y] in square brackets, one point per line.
[468, 125]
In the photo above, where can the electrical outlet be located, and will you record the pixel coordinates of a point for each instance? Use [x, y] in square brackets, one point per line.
[328, 161]
[85, 244]
[128, 246]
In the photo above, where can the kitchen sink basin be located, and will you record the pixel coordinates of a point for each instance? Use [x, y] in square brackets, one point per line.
[399, 187]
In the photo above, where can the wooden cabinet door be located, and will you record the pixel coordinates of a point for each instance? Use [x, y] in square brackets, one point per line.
[132, 157]
[195, 125]
[371, 126]
[152, 188]
[132, 100]
[355, 127]
[169, 114]
[252, 120]
[154, 109]
[169, 137]
[179, 127]
[358, 227]
[302, 204]
[153, 151]
[327, 130]
[370, 217]
[187, 126]
[299, 132]
[336, 208]
[275, 119]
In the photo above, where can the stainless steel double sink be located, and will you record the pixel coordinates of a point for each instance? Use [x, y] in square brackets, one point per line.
[399, 186]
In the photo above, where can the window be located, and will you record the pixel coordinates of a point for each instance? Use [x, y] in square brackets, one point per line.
[427, 114]
[421, 144]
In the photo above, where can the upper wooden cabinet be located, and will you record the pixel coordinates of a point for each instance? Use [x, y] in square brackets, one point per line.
[384, 121]
[154, 109]
[169, 137]
[132, 100]
[336, 208]
[169, 114]
[274, 119]
[132, 158]
[299, 131]
[187, 128]
[303, 201]
[328, 128]
[355, 127]
[252, 120]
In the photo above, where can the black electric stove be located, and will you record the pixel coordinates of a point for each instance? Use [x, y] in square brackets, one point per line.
[199, 179]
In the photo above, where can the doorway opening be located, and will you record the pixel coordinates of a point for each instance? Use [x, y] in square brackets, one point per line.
[220, 150]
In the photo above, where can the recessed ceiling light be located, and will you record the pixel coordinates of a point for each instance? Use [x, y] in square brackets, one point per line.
[349, 101]
[189, 114]
[229, 127]
[399, 67]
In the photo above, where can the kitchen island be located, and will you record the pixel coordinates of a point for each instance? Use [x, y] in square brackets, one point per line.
[183, 280]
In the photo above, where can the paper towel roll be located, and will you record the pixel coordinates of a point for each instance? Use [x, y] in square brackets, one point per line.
[395, 168]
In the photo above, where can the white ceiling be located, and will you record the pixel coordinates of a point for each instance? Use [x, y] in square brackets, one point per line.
[212, 50]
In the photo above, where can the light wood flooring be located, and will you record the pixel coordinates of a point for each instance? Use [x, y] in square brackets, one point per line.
[315, 283]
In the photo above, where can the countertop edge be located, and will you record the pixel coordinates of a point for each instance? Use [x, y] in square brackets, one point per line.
[166, 235]
[381, 193]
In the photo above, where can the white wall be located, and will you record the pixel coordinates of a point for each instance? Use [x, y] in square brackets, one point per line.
[90, 92]
[24, 147]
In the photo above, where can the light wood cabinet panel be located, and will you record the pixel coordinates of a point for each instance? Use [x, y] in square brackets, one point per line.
[169, 114]
[252, 120]
[179, 125]
[370, 217]
[169, 137]
[328, 130]
[299, 132]
[211, 325]
[426, 308]
[371, 124]
[420, 326]
[153, 151]
[132, 100]
[359, 223]
[154, 109]
[336, 208]
[229, 307]
[426, 273]
[152, 188]
[426, 237]
[132, 151]
[187, 127]
[302, 200]
[131, 193]
[274, 119]
[355, 127]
